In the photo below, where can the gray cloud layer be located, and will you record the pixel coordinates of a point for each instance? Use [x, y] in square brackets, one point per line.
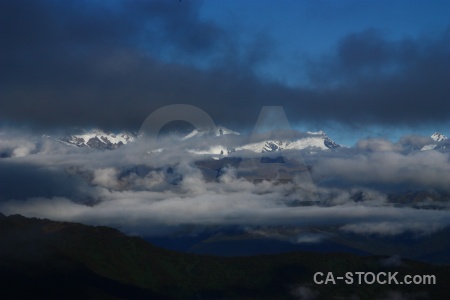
[110, 64]
[152, 193]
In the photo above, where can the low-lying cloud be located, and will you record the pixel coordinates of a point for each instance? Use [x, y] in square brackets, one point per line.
[152, 193]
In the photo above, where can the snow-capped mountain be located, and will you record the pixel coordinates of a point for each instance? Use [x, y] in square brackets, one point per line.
[99, 139]
[313, 141]
[214, 149]
[438, 137]
[440, 142]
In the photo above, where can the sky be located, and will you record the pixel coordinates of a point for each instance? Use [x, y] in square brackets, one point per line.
[354, 69]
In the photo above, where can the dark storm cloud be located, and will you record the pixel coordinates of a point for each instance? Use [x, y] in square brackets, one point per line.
[111, 63]
[387, 81]
[78, 62]
[48, 27]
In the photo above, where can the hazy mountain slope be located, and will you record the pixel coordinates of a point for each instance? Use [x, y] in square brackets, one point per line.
[431, 248]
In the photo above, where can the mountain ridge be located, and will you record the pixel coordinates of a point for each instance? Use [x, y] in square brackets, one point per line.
[440, 142]
[99, 139]
[97, 262]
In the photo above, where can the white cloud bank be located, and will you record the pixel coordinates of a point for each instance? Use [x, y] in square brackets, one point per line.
[149, 194]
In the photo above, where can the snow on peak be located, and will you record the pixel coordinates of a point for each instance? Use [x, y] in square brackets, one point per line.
[315, 140]
[99, 139]
[438, 137]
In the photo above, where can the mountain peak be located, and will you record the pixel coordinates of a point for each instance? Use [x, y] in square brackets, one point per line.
[97, 138]
[315, 140]
[438, 137]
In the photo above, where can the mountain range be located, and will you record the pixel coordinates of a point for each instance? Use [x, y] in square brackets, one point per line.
[440, 142]
[99, 139]
[312, 141]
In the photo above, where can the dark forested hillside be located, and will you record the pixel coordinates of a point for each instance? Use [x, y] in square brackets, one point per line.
[47, 259]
